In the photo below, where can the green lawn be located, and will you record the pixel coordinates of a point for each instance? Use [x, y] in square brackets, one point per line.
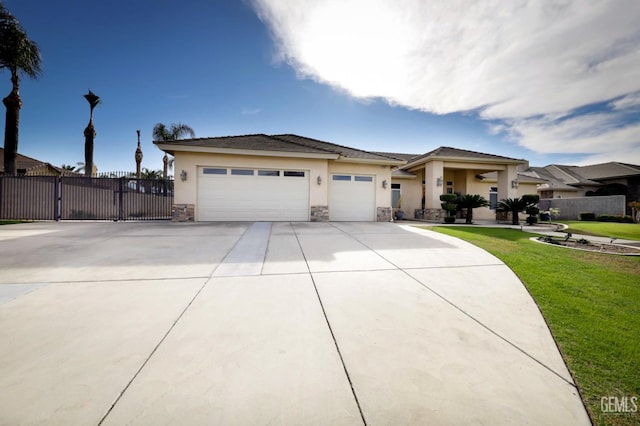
[630, 231]
[591, 302]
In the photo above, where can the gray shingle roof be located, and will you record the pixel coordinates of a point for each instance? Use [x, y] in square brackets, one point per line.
[607, 170]
[283, 143]
[448, 152]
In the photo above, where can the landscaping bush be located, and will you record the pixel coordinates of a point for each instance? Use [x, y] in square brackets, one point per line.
[532, 219]
[587, 216]
[612, 218]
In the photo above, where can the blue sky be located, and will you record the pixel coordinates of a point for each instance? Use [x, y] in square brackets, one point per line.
[551, 82]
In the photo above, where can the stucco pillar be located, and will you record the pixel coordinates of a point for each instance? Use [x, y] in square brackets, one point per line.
[433, 174]
[508, 183]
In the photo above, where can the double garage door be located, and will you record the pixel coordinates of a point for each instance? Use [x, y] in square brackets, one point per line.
[243, 194]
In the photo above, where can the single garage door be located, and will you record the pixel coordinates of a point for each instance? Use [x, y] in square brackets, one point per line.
[352, 197]
[237, 194]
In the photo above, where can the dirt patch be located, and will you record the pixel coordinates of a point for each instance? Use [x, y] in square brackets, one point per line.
[582, 244]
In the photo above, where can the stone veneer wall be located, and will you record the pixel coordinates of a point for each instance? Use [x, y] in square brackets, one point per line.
[183, 213]
[384, 214]
[430, 214]
[319, 213]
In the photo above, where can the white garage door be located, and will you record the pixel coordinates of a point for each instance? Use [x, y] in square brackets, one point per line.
[236, 194]
[352, 197]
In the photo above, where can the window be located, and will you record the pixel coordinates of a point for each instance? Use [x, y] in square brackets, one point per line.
[363, 178]
[396, 194]
[493, 197]
[268, 172]
[341, 177]
[242, 172]
[289, 173]
[214, 171]
[449, 187]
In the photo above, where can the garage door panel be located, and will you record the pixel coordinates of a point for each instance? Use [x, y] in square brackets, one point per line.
[238, 197]
[351, 197]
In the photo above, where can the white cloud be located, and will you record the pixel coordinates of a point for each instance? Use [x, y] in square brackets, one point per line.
[513, 61]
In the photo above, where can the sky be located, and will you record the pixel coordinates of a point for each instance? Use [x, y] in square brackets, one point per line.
[552, 82]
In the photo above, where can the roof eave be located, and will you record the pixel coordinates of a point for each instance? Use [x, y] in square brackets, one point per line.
[464, 160]
[171, 149]
[386, 162]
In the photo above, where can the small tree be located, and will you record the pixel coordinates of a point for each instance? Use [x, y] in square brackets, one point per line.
[517, 205]
[532, 207]
[449, 205]
[470, 202]
[635, 210]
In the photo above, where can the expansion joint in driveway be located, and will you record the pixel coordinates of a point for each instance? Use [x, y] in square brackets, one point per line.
[465, 313]
[333, 336]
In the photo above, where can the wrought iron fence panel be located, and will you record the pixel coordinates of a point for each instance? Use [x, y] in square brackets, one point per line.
[28, 197]
[84, 198]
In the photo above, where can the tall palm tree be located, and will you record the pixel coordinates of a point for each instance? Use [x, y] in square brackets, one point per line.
[19, 55]
[173, 133]
[470, 202]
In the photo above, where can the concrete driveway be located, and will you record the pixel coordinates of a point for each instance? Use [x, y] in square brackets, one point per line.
[261, 323]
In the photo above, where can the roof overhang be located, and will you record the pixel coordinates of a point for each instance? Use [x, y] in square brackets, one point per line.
[462, 162]
[384, 162]
[173, 148]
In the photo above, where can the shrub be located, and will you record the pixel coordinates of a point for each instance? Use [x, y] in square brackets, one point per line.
[532, 219]
[586, 216]
[613, 218]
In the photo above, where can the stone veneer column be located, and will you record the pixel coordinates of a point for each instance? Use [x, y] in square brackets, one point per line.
[319, 213]
[383, 214]
[183, 213]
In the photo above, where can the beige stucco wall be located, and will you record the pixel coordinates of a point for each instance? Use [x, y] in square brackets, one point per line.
[465, 182]
[186, 192]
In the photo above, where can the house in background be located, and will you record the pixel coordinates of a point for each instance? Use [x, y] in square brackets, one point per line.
[27, 166]
[612, 178]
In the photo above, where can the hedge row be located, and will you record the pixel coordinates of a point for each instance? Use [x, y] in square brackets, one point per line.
[589, 216]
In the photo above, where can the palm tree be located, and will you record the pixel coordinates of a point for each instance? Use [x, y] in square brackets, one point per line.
[470, 202]
[19, 55]
[513, 205]
[175, 132]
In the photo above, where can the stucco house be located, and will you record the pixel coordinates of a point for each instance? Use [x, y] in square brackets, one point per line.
[290, 177]
[562, 181]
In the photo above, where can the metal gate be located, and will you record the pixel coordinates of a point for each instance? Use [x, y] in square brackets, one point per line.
[84, 198]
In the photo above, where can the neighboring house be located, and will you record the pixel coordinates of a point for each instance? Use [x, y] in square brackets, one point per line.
[289, 177]
[580, 181]
[27, 166]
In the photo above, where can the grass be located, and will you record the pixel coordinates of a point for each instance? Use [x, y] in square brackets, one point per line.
[630, 231]
[11, 222]
[591, 302]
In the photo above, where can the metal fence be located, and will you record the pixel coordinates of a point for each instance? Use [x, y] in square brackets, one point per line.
[85, 198]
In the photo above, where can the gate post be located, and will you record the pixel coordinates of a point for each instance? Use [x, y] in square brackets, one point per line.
[120, 199]
[57, 201]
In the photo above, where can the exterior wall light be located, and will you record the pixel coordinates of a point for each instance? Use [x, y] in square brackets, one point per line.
[183, 175]
[514, 183]
[384, 184]
[319, 180]
[439, 181]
